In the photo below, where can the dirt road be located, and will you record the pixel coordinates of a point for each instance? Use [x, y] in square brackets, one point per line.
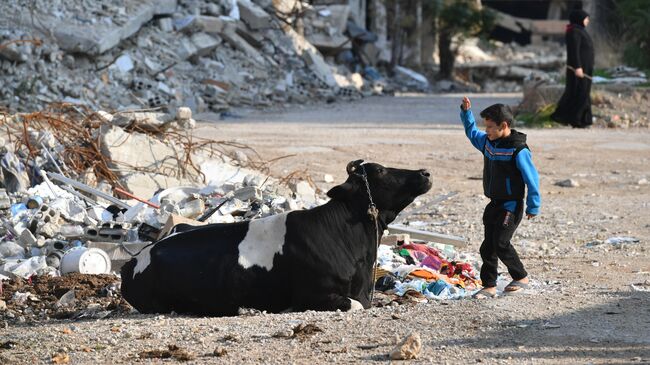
[583, 308]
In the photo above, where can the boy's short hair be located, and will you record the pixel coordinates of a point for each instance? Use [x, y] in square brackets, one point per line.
[498, 113]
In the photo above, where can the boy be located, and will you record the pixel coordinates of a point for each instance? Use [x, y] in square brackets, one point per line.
[507, 166]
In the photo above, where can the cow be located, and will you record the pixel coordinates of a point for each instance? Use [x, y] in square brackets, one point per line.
[316, 259]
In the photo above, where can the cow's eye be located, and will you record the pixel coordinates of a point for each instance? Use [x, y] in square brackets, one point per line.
[381, 171]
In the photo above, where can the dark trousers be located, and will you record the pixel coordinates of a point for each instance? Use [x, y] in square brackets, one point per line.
[500, 225]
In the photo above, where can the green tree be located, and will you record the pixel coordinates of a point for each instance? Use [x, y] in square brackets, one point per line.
[635, 16]
[457, 19]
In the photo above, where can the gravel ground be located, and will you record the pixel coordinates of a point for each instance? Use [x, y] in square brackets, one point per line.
[584, 307]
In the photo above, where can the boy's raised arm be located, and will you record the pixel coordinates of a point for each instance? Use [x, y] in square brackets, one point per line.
[475, 136]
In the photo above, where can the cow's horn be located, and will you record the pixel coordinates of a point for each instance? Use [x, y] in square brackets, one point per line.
[353, 165]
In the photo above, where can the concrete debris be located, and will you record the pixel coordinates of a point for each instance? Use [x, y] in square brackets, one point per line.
[56, 225]
[413, 78]
[168, 53]
[253, 15]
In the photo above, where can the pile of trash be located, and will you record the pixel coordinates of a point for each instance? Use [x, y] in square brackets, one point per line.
[419, 271]
[208, 55]
[63, 169]
[83, 192]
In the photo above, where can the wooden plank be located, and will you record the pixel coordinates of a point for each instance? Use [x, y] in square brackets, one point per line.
[418, 234]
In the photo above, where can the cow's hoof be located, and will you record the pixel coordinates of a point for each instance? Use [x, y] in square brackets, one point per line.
[355, 305]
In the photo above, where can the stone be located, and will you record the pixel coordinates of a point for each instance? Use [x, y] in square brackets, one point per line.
[305, 192]
[183, 113]
[27, 239]
[49, 230]
[568, 183]
[254, 16]
[408, 349]
[5, 201]
[248, 193]
[124, 63]
[166, 24]
[192, 209]
[357, 80]
[204, 43]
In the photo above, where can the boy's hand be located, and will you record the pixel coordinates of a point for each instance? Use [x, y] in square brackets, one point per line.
[466, 104]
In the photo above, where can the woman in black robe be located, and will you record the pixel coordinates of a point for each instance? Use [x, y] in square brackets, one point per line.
[574, 107]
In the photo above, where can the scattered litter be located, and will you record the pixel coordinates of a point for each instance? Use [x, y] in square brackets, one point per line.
[617, 241]
[549, 325]
[409, 348]
[172, 351]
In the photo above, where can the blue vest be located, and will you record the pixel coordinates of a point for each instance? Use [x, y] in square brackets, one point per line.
[502, 180]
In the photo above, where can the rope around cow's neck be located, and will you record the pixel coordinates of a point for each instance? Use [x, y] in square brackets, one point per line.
[373, 212]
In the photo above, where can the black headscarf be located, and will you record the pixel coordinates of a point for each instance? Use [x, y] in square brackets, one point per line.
[577, 17]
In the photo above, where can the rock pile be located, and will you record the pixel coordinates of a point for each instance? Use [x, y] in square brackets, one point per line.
[208, 55]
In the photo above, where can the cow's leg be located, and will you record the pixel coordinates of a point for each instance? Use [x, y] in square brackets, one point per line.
[355, 305]
[325, 302]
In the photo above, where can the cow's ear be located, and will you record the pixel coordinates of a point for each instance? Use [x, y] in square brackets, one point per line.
[342, 191]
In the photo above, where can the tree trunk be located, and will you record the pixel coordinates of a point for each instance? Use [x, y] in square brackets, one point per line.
[447, 56]
[417, 54]
[396, 36]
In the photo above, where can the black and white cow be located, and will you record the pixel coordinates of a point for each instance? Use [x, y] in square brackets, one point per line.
[319, 259]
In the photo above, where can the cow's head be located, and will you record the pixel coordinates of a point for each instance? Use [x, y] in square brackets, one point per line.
[391, 189]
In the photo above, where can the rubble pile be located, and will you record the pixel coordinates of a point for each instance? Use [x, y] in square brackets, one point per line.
[208, 55]
[63, 171]
[501, 67]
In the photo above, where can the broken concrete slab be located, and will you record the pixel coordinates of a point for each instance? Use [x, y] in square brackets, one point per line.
[136, 149]
[253, 15]
[146, 184]
[312, 57]
[197, 44]
[231, 36]
[96, 38]
[147, 120]
[210, 24]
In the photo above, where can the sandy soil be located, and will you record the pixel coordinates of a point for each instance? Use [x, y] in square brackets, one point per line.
[583, 309]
